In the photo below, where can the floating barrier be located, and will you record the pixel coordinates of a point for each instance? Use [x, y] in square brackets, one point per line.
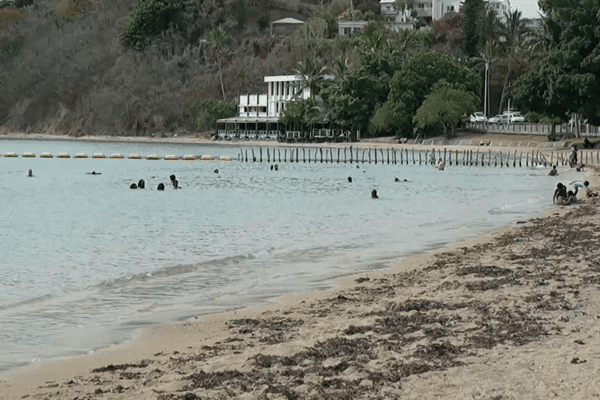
[189, 158]
[171, 158]
[98, 155]
[116, 155]
[224, 158]
[46, 155]
[207, 158]
[152, 157]
[63, 155]
[28, 155]
[11, 154]
[81, 155]
[134, 157]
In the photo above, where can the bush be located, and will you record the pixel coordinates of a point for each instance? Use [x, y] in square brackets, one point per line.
[549, 120]
[211, 111]
[532, 117]
[148, 19]
[22, 3]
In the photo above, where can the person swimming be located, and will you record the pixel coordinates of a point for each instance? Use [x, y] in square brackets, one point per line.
[161, 186]
[441, 165]
[141, 184]
[30, 173]
[133, 186]
[374, 194]
[216, 171]
[553, 171]
[93, 173]
[172, 177]
[398, 180]
[350, 179]
[176, 184]
[580, 168]
[276, 167]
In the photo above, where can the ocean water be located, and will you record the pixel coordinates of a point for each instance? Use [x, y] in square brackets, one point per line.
[85, 261]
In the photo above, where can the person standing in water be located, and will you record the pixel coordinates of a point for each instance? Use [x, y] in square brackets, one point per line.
[30, 173]
[553, 171]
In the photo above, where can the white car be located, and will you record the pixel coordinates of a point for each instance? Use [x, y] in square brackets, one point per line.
[515, 117]
[478, 117]
[495, 119]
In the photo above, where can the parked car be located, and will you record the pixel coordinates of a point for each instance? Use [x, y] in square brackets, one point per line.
[478, 117]
[515, 116]
[495, 119]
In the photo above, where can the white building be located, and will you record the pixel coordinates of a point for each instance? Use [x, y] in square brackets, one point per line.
[431, 10]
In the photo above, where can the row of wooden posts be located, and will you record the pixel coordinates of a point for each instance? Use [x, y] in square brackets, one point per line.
[407, 156]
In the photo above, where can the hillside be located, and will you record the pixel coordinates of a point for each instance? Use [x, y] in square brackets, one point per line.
[64, 68]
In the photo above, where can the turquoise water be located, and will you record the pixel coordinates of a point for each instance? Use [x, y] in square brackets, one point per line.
[86, 261]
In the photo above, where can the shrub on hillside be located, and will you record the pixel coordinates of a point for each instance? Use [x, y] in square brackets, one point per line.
[148, 19]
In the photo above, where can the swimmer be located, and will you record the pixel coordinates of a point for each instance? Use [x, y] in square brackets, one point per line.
[216, 171]
[133, 186]
[176, 184]
[30, 173]
[141, 184]
[441, 164]
[271, 168]
[161, 186]
[560, 195]
[357, 166]
[350, 179]
[172, 177]
[398, 180]
[580, 168]
[93, 173]
[374, 194]
[276, 167]
[553, 171]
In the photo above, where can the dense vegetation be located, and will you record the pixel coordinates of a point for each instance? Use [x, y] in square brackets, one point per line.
[138, 67]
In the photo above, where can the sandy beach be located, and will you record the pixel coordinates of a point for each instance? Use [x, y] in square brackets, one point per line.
[511, 315]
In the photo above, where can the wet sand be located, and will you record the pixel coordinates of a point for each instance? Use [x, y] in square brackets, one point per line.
[512, 315]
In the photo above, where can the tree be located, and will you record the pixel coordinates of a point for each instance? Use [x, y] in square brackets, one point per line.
[473, 10]
[567, 77]
[445, 106]
[298, 114]
[148, 19]
[486, 61]
[218, 41]
[415, 80]
[311, 75]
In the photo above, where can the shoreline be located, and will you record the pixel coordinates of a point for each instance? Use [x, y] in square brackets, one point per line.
[402, 332]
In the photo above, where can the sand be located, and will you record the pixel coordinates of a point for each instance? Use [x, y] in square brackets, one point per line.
[512, 315]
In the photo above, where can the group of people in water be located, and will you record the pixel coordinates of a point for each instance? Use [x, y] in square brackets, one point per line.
[161, 186]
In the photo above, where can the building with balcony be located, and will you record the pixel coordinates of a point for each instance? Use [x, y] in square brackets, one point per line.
[258, 115]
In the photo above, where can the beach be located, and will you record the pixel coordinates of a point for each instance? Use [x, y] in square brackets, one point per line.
[512, 314]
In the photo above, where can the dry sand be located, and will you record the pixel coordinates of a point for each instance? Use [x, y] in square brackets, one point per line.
[513, 315]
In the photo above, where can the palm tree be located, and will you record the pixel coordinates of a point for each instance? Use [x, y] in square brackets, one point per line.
[486, 60]
[311, 75]
[219, 40]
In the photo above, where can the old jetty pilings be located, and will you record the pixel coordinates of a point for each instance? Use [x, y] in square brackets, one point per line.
[390, 155]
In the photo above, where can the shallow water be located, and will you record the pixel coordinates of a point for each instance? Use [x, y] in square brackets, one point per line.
[86, 261]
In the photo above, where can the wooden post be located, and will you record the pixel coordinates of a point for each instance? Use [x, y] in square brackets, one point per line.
[260, 152]
[321, 153]
[284, 155]
[527, 160]
[444, 155]
[303, 154]
[350, 154]
[338, 160]
[520, 158]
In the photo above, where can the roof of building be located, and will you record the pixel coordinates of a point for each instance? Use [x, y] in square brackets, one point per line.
[248, 120]
[288, 21]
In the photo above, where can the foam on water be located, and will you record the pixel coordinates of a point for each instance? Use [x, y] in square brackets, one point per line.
[86, 261]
